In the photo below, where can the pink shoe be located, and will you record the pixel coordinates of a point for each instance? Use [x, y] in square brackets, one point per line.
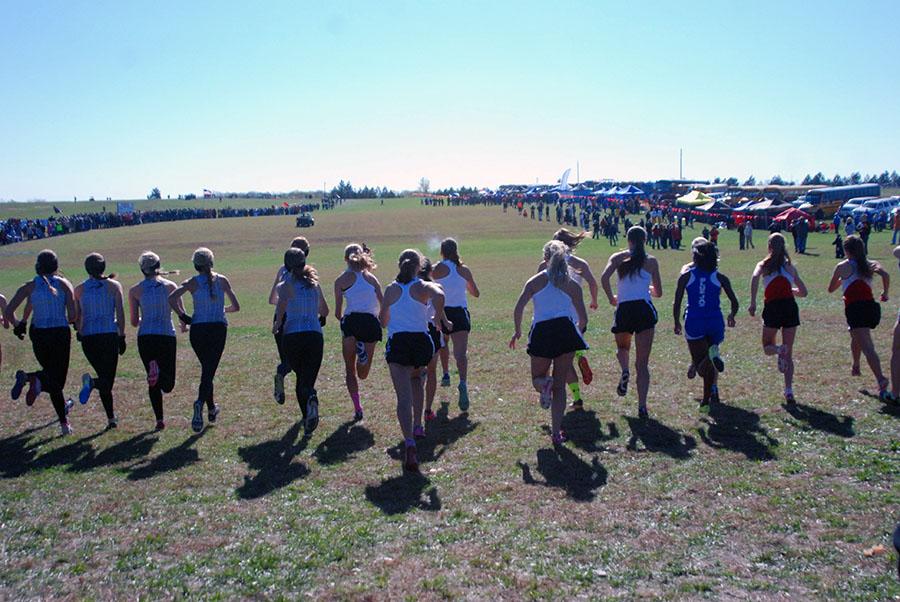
[560, 438]
[152, 373]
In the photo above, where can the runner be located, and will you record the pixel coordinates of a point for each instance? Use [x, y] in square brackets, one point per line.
[53, 305]
[100, 324]
[438, 339]
[359, 321]
[409, 348]
[863, 313]
[704, 327]
[580, 272]
[456, 280]
[283, 367]
[553, 338]
[781, 283]
[151, 314]
[3, 322]
[208, 326]
[635, 316]
[301, 311]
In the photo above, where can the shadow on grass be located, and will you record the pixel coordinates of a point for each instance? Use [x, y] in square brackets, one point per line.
[654, 436]
[273, 461]
[821, 420]
[128, 450]
[347, 439]
[401, 494]
[730, 427]
[563, 469]
[585, 431]
[440, 434]
[170, 460]
[890, 409]
[18, 451]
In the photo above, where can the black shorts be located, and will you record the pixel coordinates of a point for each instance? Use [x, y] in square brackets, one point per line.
[553, 338]
[634, 316]
[781, 313]
[437, 338]
[460, 318]
[863, 314]
[413, 349]
[363, 327]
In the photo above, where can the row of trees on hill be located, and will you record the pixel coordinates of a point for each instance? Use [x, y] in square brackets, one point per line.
[885, 179]
[345, 190]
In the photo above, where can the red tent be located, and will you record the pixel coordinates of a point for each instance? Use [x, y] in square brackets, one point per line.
[793, 214]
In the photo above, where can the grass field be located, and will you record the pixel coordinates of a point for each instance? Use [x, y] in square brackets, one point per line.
[748, 500]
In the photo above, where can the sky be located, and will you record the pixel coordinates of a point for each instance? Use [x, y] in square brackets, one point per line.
[111, 99]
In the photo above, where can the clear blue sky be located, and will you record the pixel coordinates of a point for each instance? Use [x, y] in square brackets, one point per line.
[113, 98]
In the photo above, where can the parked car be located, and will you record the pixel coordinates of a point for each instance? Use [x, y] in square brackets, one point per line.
[875, 206]
[305, 220]
[847, 208]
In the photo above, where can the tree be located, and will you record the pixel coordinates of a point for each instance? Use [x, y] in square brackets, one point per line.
[732, 181]
[807, 180]
[895, 179]
[718, 180]
[818, 179]
[751, 181]
[155, 194]
[776, 181]
[855, 178]
[837, 180]
[885, 178]
[424, 185]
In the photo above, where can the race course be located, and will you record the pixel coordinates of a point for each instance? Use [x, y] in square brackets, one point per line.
[749, 499]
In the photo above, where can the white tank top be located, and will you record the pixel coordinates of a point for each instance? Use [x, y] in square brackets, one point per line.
[454, 286]
[573, 273]
[360, 296]
[634, 286]
[407, 314]
[551, 302]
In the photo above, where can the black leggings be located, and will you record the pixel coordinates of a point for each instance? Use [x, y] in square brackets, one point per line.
[304, 353]
[102, 351]
[208, 341]
[283, 361]
[161, 348]
[52, 347]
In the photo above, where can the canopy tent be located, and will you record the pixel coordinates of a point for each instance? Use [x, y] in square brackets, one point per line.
[633, 190]
[793, 214]
[745, 203]
[769, 206]
[694, 198]
[714, 207]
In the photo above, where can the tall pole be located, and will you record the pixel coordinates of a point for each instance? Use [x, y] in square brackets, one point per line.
[577, 172]
[680, 163]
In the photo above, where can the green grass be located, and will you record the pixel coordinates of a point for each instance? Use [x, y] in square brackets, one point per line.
[747, 501]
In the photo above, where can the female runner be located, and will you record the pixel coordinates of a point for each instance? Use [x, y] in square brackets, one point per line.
[553, 338]
[359, 320]
[52, 301]
[100, 324]
[895, 356]
[283, 367]
[863, 313]
[456, 281]
[209, 328]
[635, 316]
[781, 283]
[437, 338]
[404, 313]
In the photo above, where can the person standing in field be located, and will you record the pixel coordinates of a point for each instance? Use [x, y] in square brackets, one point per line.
[208, 326]
[704, 325]
[100, 323]
[361, 291]
[854, 276]
[580, 272]
[635, 316]
[559, 320]
[284, 367]
[409, 348]
[895, 219]
[437, 338]
[895, 351]
[151, 314]
[781, 283]
[52, 302]
[302, 310]
[748, 233]
[457, 283]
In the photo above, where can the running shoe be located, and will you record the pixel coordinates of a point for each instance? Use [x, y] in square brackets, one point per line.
[560, 438]
[716, 359]
[112, 424]
[429, 416]
[65, 428]
[463, 397]
[411, 461]
[312, 414]
[643, 414]
[789, 398]
[361, 356]
[358, 414]
[279, 387]
[782, 358]
[419, 432]
[622, 388]
[577, 404]
[87, 385]
[587, 375]
[713, 394]
[547, 393]
[854, 371]
[445, 380]
[69, 405]
[692, 371]
[197, 420]
[152, 373]
[34, 389]
[160, 425]
[21, 379]
[213, 413]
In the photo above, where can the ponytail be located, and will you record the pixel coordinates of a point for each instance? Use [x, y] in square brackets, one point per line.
[409, 263]
[570, 239]
[425, 270]
[856, 250]
[359, 257]
[47, 264]
[203, 262]
[295, 264]
[778, 256]
[450, 250]
[638, 255]
[95, 266]
[557, 266]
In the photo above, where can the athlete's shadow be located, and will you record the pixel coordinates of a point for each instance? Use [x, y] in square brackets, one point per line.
[170, 460]
[17, 452]
[401, 494]
[274, 462]
[125, 451]
[440, 434]
[585, 431]
[563, 469]
[347, 440]
[821, 420]
[730, 427]
[654, 436]
[890, 409]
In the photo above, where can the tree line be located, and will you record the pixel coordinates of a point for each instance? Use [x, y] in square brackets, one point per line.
[345, 190]
[885, 179]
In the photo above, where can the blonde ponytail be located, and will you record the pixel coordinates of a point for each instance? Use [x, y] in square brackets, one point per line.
[557, 266]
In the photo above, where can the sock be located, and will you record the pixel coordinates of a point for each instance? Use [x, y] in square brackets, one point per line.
[788, 390]
[713, 351]
[462, 384]
[410, 442]
[355, 398]
[576, 391]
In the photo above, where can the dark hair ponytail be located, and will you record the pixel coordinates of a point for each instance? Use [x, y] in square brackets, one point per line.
[856, 250]
[295, 263]
[636, 236]
[409, 263]
[95, 266]
[46, 264]
[706, 256]
[450, 250]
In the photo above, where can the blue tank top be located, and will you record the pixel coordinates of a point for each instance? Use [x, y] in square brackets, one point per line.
[208, 307]
[156, 313]
[48, 309]
[302, 309]
[703, 290]
[98, 308]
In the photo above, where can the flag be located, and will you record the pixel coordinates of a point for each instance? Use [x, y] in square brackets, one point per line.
[56, 209]
[285, 205]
